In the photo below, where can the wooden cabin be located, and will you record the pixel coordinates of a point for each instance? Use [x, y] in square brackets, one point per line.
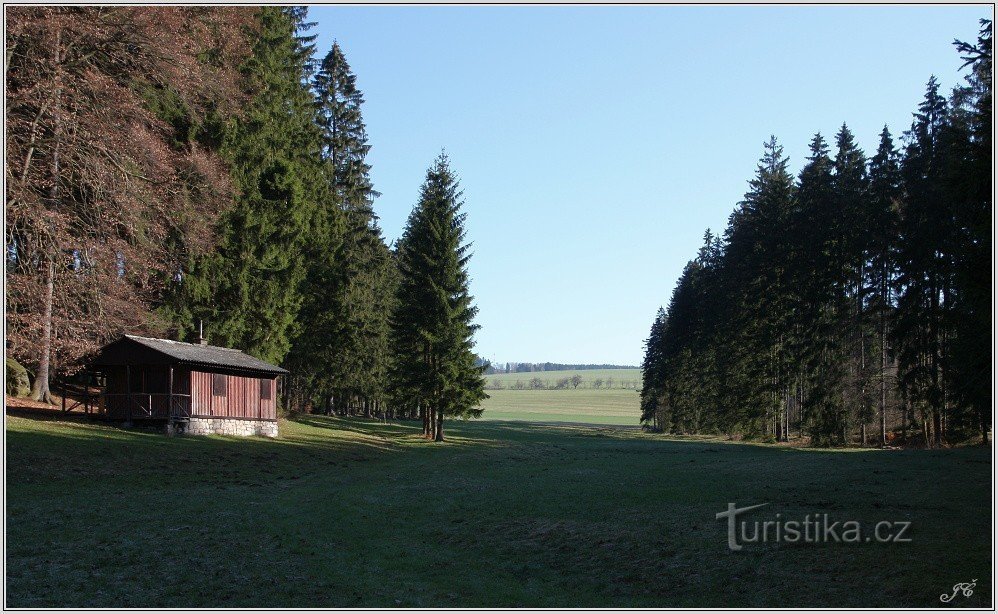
[192, 387]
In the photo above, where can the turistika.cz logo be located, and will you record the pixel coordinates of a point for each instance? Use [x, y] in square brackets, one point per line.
[813, 529]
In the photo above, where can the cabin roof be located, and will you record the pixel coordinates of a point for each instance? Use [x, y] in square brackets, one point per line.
[132, 349]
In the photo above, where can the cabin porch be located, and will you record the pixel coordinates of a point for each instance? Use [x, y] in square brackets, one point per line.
[145, 392]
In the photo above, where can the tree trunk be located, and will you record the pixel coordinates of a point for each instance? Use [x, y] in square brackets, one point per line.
[883, 377]
[800, 409]
[40, 389]
[439, 431]
[905, 413]
[861, 375]
[937, 401]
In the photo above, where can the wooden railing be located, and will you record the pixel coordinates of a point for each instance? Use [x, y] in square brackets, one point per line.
[147, 406]
[77, 395]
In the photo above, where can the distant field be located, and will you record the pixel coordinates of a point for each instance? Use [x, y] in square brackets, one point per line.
[585, 405]
[630, 378]
[615, 402]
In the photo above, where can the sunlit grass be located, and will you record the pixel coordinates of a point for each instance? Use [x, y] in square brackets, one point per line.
[617, 407]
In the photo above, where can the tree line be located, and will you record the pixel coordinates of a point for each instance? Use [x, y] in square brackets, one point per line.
[534, 367]
[852, 299]
[173, 165]
[562, 383]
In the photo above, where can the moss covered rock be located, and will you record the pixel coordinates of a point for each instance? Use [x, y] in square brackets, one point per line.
[18, 382]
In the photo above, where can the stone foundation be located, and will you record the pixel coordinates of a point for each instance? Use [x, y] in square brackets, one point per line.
[229, 426]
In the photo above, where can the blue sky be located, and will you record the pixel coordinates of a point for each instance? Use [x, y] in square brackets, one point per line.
[596, 144]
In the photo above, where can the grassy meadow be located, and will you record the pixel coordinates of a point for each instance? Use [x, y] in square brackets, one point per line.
[350, 513]
[617, 405]
[585, 405]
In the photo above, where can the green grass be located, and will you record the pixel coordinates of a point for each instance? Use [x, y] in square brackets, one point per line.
[353, 513]
[585, 405]
[619, 405]
[630, 377]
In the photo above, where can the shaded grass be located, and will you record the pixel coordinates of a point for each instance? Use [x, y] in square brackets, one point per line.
[355, 513]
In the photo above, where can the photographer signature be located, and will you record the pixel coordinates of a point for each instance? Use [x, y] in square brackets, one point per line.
[967, 588]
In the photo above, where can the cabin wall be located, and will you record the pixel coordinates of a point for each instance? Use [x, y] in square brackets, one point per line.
[242, 398]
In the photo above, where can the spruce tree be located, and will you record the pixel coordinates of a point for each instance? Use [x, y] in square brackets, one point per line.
[757, 256]
[653, 372]
[884, 202]
[817, 352]
[349, 293]
[972, 189]
[249, 291]
[678, 347]
[924, 272]
[853, 230]
[433, 326]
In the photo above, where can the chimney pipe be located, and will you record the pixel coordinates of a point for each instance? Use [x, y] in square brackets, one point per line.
[201, 339]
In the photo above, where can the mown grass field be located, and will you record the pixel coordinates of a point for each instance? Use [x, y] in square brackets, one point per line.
[585, 405]
[355, 513]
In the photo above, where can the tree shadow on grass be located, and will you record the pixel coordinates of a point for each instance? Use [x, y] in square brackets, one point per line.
[45, 449]
[41, 445]
[367, 426]
[407, 433]
[54, 414]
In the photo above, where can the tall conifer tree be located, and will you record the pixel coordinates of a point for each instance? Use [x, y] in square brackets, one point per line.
[812, 234]
[653, 372]
[349, 295]
[972, 190]
[756, 256]
[433, 323]
[853, 232]
[884, 202]
[249, 291]
[924, 271]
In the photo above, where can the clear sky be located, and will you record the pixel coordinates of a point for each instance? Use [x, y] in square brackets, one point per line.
[596, 144]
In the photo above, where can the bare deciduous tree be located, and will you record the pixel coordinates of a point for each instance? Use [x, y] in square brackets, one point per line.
[100, 198]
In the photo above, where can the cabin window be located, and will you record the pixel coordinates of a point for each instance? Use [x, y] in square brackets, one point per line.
[265, 389]
[219, 385]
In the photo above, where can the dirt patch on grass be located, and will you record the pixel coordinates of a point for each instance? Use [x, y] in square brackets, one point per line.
[22, 403]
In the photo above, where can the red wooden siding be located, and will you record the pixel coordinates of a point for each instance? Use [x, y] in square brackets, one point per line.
[241, 400]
